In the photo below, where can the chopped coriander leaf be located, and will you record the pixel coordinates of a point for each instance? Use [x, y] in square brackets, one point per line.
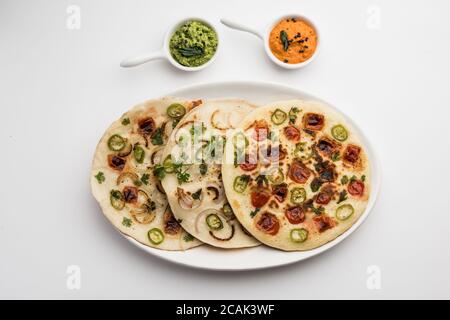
[353, 178]
[261, 180]
[188, 237]
[342, 196]
[254, 212]
[175, 122]
[145, 178]
[196, 195]
[318, 210]
[336, 157]
[183, 177]
[137, 183]
[363, 178]
[159, 171]
[157, 137]
[344, 180]
[316, 184]
[125, 121]
[100, 177]
[293, 115]
[127, 222]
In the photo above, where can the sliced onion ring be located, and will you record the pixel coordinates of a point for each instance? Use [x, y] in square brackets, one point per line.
[215, 124]
[126, 150]
[126, 175]
[156, 156]
[218, 192]
[185, 201]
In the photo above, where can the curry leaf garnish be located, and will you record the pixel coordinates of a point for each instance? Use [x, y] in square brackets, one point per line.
[254, 212]
[342, 196]
[284, 40]
[191, 51]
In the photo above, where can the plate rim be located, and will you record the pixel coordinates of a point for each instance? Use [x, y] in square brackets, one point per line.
[376, 172]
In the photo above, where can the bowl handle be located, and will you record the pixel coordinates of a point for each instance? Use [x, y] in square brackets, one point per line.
[135, 61]
[241, 27]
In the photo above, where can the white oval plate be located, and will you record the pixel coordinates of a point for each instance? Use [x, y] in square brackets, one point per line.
[207, 257]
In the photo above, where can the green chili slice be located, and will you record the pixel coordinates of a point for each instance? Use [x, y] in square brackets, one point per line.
[299, 235]
[116, 199]
[139, 154]
[344, 212]
[176, 111]
[277, 177]
[155, 236]
[298, 195]
[302, 151]
[168, 165]
[227, 211]
[240, 183]
[278, 116]
[116, 142]
[213, 221]
[339, 132]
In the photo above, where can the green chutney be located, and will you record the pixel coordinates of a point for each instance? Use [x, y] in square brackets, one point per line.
[193, 44]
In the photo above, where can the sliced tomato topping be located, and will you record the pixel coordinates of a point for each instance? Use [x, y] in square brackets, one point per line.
[130, 194]
[171, 225]
[295, 215]
[326, 146]
[146, 126]
[356, 188]
[323, 223]
[116, 162]
[249, 163]
[292, 133]
[325, 195]
[298, 172]
[313, 121]
[351, 153]
[259, 198]
[268, 223]
[280, 192]
[261, 130]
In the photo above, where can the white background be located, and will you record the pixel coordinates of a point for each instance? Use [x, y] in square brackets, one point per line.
[61, 88]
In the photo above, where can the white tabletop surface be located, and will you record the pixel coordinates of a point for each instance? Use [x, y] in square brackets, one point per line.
[386, 63]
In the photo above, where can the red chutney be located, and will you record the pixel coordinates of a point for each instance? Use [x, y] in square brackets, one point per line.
[293, 40]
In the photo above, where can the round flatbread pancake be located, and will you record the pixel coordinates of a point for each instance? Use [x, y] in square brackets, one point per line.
[192, 174]
[122, 178]
[303, 177]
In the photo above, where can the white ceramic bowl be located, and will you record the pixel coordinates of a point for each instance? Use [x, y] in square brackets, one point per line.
[164, 52]
[265, 34]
